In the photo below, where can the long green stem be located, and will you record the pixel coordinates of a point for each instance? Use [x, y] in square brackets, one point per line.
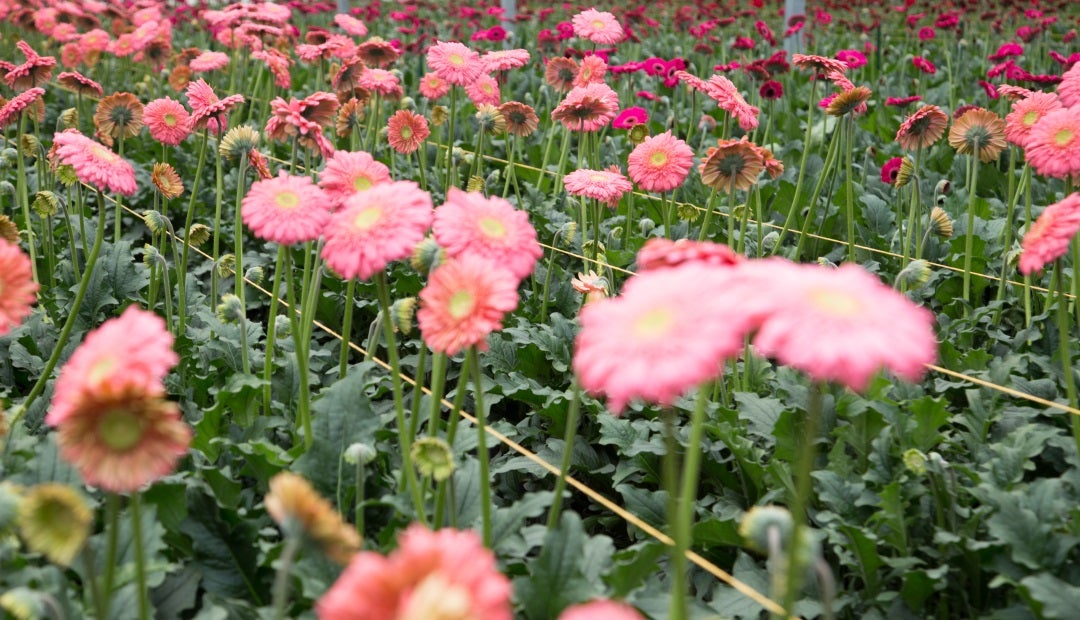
[570, 434]
[850, 193]
[112, 517]
[1063, 346]
[670, 473]
[800, 502]
[303, 417]
[284, 573]
[481, 447]
[271, 331]
[140, 557]
[691, 470]
[24, 199]
[451, 432]
[969, 243]
[181, 284]
[794, 208]
[238, 230]
[706, 224]
[399, 404]
[830, 161]
[449, 178]
[563, 153]
[346, 327]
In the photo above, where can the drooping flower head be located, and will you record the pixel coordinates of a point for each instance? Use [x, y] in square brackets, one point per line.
[1049, 237]
[504, 60]
[978, 132]
[729, 99]
[347, 173]
[1053, 147]
[587, 108]
[443, 574]
[166, 180]
[560, 72]
[406, 131]
[464, 301]
[454, 62]
[300, 511]
[80, 84]
[599, 27]
[55, 520]
[18, 291]
[660, 163]
[923, 128]
[286, 209]
[851, 101]
[375, 227]
[35, 71]
[606, 186]
[491, 228]
[167, 120]
[94, 163]
[521, 119]
[731, 165]
[209, 61]
[207, 107]
[119, 115]
[10, 111]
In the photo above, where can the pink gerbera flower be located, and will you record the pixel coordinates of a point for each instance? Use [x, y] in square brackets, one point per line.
[209, 61]
[606, 186]
[587, 108]
[1025, 113]
[167, 120]
[660, 253]
[10, 111]
[924, 65]
[598, 26]
[1053, 146]
[592, 70]
[469, 223]
[80, 84]
[17, 287]
[350, 24]
[375, 227]
[94, 163]
[1049, 237]
[1069, 87]
[630, 117]
[504, 60]
[601, 609]
[286, 209]
[464, 301]
[406, 131]
[206, 106]
[659, 338]
[443, 574]
[36, 70]
[433, 87]
[348, 173]
[729, 99]
[454, 62]
[660, 163]
[841, 325]
[484, 89]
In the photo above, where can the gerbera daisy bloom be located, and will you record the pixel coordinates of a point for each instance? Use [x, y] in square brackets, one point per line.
[406, 131]
[55, 520]
[209, 61]
[1049, 237]
[376, 227]
[489, 119]
[286, 209]
[300, 511]
[1014, 93]
[1069, 87]
[36, 70]
[731, 165]
[601, 608]
[80, 84]
[18, 291]
[598, 26]
[660, 163]
[658, 339]
[606, 186]
[278, 64]
[1054, 144]
[349, 75]
[891, 170]
[819, 64]
[841, 325]
[484, 89]
[8, 230]
[924, 65]
[454, 62]
[377, 53]
[591, 285]
[350, 116]
[259, 164]
[443, 574]
[521, 119]
[238, 142]
[658, 253]
[179, 78]
[469, 223]
[587, 108]
[849, 101]
[630, 117]
[771, 90]
[11, 110]
[592, 69]
[347, 173]
[206, 106]
[1025, 113]
[923, 128]
[560, 72]
[433, 87]
[504, 60]
[729, 99]
[978, 132]
[350, 24]
[464, 301]
[119, 115]
[94, 163]
[166, 180]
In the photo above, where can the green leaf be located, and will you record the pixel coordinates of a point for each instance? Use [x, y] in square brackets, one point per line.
[633, 437]
[225, 551]
[555, 578]
[761, 414]
[633, 566]
[176, 595]
[1058, 599]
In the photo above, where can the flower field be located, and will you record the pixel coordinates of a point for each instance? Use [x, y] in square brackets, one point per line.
[431, 311]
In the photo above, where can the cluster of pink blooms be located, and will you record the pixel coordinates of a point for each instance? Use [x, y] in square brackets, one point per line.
[692, 306]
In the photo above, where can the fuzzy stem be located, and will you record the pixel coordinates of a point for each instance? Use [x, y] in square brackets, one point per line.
[481, 447]
[969, 243]
[140, 557]
[281, 580]
[572, 415]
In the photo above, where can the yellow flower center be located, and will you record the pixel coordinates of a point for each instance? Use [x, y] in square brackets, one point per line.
[367, 218]
[487, 89]
[120, 430]
[461, 304]
[1030, 118]
[169, 120]
[101, 370]
[599, 25]
[654, 324]
[456, 59]
[836, 303]
[1063, 137]
[597, 177]
[437, 599]
[406, 133]
[492, 227]
[287, 200]
[361, 183]
[103, 153]
[659, 158]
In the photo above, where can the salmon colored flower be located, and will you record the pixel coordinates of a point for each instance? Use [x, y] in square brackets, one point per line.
[347, 173]
[560, 72]
[1069, 87]
[10, 111]
[504, 60]
[601, 609]
[731, 165]
[659, 253]
[206, 106]
[301, 511]
[434, 87]
[286, 209]
[454, 62]
[406, 131]
[598, 26]
[923, 128]
[18, 291]
[587, 108]
[521, 119]
[209, 61]
[484, 90]
[80, 84]
[1054, 144]
[35, 71]
[166, 180]
[606, 186]
[660, 163]
[94, 163]
[978, 132]
[1049, 237]
[167, 120]
[491, 228]
[464, 301]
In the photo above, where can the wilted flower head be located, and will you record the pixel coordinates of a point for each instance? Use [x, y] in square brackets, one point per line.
[301, 511]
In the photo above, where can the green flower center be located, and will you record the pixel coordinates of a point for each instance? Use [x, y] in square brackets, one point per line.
[1030, 118]
[457, 60]
[169, 120]
[120, 430]
[659, 158]
[361, 183]
[367, 218]
[287, 200]
[654, 324]
[492, 227]
[406, 133]
[461, 304]
[1063, 137]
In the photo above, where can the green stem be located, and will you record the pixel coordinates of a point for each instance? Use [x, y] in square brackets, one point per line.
[360, 497]
[969, 243]
[450, 140]
[181, 284]
[564, 152]
[830, 161]
[850, 193]
[451, 431]
[691, 470]
[238, 230]
[303, 418]
[346, 327]
[1063, 346]
[794, 208]
[568, 451]
[670, 469]
[481, 447]
[271, 331]
[438, 383]
[913, 209]
[706, 224]
[284, 573]
[24, 198]
[140, 557]
[112, 516]
[800, 502]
